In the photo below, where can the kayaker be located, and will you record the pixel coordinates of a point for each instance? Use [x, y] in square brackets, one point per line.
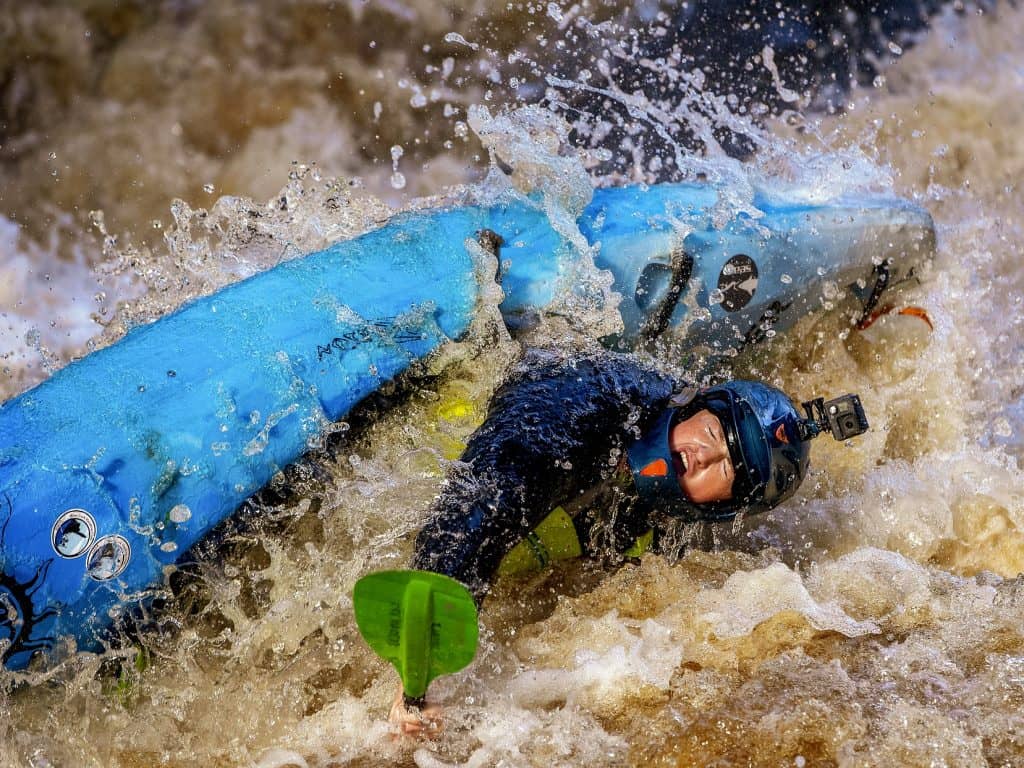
[617, 449]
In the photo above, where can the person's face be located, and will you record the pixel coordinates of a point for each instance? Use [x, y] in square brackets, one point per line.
[701, 458]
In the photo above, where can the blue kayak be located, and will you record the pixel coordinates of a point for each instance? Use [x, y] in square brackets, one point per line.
[121, 462]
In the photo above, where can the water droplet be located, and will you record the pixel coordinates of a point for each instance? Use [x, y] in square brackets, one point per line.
[208, 188]
[455, 37]
[168, 546]
[879, 81]
[53, 155]
[786, 279]
[157, 224]
[894, 48]
[716, 297]
[397, 178]
[180, 513]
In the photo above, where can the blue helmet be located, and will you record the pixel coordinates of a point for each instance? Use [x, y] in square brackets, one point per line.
[768, 444]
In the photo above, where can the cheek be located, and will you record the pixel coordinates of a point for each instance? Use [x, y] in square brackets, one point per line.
[705, 487]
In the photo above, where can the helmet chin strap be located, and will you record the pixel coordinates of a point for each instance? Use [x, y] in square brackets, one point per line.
[843, 417]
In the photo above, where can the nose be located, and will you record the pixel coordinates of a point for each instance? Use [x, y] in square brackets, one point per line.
[708, 455]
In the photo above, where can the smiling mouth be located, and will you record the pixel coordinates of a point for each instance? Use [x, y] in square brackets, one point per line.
[680, 464]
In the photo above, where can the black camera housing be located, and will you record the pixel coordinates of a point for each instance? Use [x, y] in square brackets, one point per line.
[844, 417]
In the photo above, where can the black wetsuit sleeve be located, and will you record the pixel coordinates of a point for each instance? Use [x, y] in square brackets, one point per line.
[552, 432]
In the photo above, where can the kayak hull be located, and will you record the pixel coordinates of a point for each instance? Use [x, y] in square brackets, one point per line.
[122, 461]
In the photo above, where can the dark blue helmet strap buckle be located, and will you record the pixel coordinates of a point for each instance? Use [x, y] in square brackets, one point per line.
[684, 397]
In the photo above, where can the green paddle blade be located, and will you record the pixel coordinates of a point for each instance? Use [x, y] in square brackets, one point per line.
[423, 623]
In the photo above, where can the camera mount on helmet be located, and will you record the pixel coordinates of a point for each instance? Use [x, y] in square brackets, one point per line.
[843, 416]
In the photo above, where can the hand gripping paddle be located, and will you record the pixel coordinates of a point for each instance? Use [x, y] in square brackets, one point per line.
[423, 623]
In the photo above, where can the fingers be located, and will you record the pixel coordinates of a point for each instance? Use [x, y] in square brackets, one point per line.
[425, 722]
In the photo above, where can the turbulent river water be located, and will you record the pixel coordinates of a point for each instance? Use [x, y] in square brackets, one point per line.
[876, 620]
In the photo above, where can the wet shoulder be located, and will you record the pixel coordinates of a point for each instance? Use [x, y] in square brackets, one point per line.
[553, 375]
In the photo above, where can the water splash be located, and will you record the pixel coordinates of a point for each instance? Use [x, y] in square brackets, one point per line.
[751, 651]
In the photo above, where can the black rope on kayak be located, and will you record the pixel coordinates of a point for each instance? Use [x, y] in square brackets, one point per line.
[759, 331]
[881, 273]
[682, 268]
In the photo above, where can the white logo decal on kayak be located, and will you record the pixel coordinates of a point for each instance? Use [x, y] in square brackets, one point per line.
[737, 281]
[383, 330]
[108, 557]
[73, 533]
